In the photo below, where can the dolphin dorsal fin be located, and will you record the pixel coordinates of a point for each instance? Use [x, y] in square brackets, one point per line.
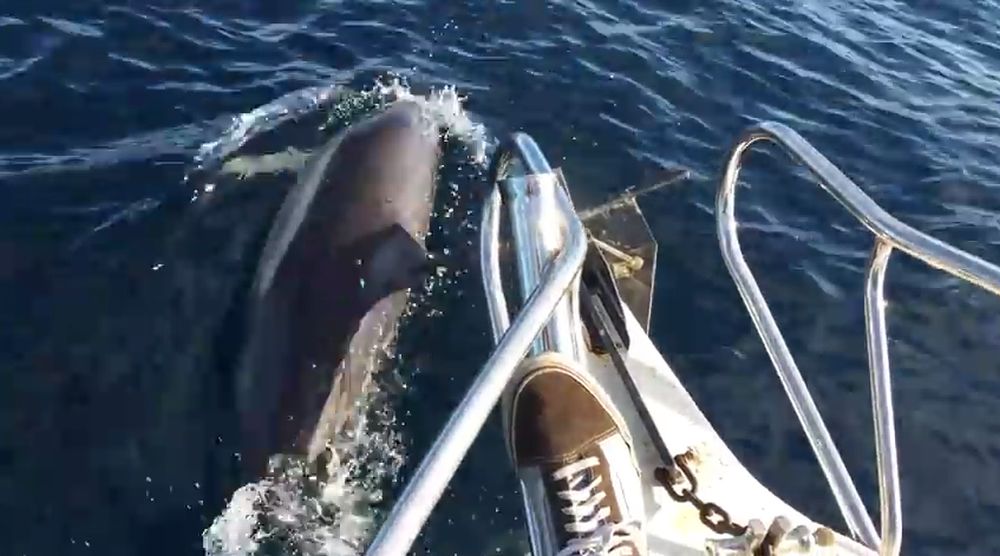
[397, 261]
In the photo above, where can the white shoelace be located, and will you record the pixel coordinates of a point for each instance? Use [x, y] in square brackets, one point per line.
[595, 536]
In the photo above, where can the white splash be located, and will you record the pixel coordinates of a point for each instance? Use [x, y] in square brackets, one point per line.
[444, 109]
[296, 511]
[265, 118]
[235, 531]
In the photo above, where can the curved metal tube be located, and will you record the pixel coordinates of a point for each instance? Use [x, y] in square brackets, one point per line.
[890, 233]
[538, 227]
[932, 251]
[489, 262]
[805, 408]
[517, 146]
[532, 157]
[881, 384]
[439, 465]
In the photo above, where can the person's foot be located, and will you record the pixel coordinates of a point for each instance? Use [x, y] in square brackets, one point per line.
[578, 475]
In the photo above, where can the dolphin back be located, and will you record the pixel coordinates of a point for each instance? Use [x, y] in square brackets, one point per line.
[332, 282]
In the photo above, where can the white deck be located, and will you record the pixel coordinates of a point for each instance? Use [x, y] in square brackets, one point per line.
[674, 528]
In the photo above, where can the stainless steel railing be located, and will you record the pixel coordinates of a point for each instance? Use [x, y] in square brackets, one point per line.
[890, 234]
[538, 224]
[559, 255]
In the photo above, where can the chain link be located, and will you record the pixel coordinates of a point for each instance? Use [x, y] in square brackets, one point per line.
[711, 514]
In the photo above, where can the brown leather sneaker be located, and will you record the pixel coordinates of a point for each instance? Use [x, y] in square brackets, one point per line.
[578, 475]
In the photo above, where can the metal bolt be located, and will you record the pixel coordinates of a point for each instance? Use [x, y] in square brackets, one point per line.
[779, 528]
[674, 475]
[755, 533]
[802, 538]
[825, 537]
[776, 533]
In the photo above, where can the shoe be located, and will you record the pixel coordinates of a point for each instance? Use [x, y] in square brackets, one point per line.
[578, 475]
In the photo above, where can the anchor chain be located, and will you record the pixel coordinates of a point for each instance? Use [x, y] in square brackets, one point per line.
[712, 515]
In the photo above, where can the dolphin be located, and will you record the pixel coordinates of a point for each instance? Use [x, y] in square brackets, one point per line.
[332, 282]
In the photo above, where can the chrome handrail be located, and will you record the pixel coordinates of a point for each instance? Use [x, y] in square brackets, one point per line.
[558, 277]
[489, 261]
[890, 233]
[537, 226]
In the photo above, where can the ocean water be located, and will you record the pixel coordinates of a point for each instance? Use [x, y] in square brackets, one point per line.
[125, 247]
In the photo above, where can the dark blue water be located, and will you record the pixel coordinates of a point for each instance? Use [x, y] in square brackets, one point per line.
[117, 284]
